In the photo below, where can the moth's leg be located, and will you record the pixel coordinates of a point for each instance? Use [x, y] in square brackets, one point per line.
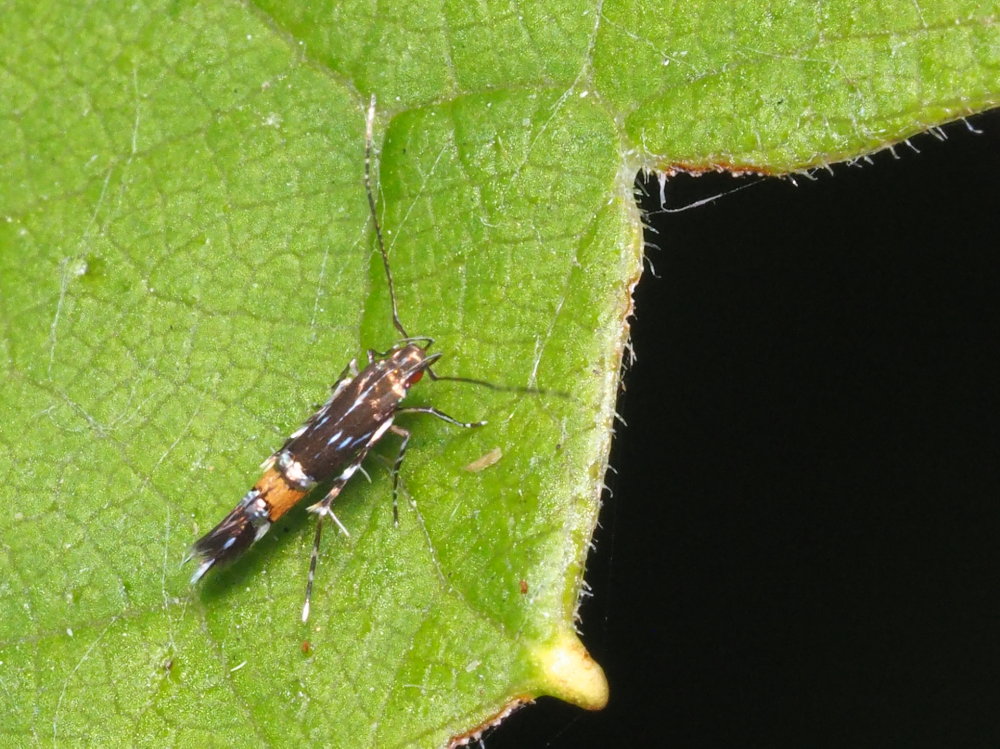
[440, 415]
[323, 509]
[405, 435]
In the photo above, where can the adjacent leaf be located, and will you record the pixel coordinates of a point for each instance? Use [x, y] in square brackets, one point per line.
[186, 264]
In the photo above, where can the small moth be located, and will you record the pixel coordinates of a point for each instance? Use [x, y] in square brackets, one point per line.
[335, 440]
[332, 444]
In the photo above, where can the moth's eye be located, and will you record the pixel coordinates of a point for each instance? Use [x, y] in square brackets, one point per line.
[414, 378]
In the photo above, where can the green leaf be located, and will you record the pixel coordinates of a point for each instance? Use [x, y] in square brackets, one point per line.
[186, 263]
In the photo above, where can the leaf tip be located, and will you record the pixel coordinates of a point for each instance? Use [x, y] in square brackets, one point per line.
[568, 672]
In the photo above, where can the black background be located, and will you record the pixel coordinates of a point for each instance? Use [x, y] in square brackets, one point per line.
[801, 548]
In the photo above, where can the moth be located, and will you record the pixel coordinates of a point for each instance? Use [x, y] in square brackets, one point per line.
[335, 440]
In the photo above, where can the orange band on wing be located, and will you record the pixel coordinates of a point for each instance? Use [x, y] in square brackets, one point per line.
[279, 495]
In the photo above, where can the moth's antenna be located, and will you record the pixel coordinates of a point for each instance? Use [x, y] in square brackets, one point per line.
[369, 149]
[498, 388]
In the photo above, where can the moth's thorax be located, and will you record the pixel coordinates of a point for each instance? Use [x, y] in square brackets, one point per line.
[360, 407]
